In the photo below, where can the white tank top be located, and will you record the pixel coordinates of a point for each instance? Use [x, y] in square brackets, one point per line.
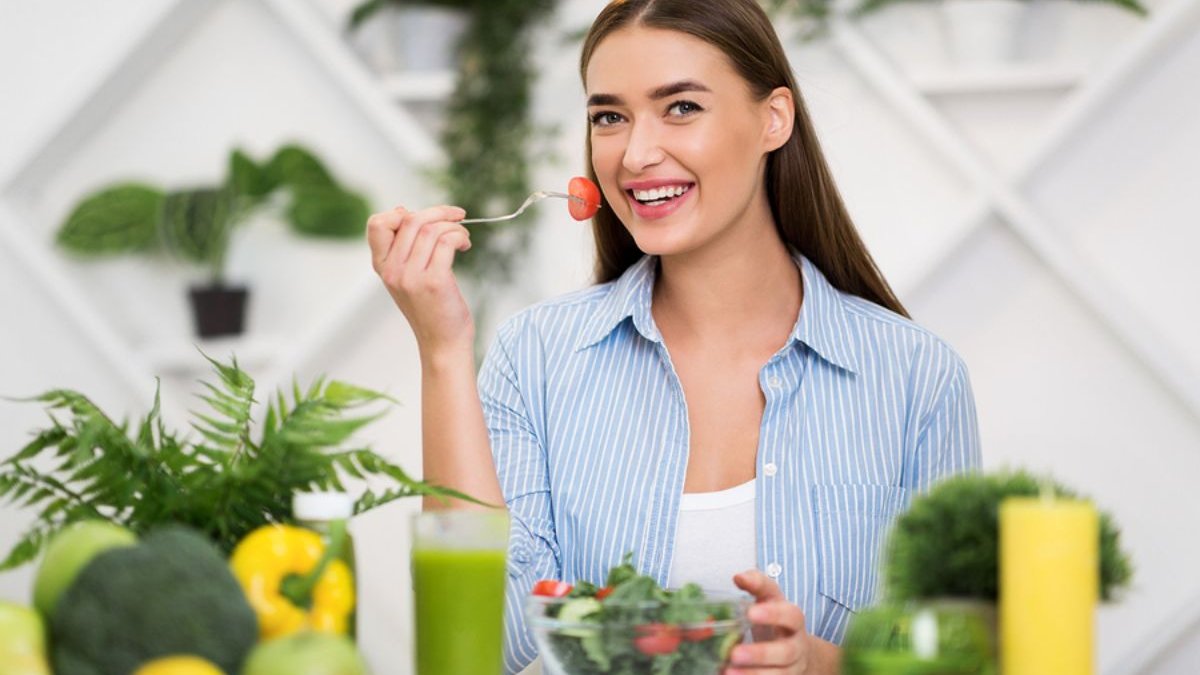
[716, 538]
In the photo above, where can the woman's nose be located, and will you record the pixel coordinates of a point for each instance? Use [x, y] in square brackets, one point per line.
[644, 148]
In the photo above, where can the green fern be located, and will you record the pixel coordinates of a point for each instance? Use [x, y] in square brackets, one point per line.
[224, 483]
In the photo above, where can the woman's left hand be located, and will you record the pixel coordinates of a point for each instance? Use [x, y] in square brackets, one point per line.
[788, 653]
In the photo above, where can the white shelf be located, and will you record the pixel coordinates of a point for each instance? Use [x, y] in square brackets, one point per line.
[1012, 78]
[182, 357]
[419, 86]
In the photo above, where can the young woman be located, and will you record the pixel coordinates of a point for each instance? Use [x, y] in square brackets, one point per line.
[741, 399]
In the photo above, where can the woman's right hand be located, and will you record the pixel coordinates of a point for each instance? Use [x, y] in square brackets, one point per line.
[413, 253]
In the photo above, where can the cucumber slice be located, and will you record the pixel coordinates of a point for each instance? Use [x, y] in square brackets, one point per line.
[577, 611]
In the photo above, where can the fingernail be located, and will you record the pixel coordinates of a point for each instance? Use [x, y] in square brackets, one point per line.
[757, 614]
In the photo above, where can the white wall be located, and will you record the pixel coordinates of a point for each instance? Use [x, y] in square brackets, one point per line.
[1057, 389]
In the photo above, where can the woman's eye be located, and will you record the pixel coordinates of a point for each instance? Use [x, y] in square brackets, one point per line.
[684, 108]
[604, 119]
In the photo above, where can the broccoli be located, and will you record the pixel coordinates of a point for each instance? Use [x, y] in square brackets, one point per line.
[173, 593]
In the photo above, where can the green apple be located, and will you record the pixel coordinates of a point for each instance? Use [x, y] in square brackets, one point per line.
[22, 641]
[67, 554]
[306, 653]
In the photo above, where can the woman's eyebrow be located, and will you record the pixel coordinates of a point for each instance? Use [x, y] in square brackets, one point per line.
[655, 94]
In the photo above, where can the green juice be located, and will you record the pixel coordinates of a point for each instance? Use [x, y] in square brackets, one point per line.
[459, 603]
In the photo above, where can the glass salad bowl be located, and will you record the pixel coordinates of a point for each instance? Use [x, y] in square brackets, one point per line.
[686, 633]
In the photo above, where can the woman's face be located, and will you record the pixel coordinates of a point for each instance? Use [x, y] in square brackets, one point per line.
[678, 141]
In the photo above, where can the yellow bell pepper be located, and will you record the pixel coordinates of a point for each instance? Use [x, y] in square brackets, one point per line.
[293, 581]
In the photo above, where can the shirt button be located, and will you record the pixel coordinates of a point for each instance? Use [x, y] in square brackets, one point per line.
[774, 382]
[769, 469]
[774, 570]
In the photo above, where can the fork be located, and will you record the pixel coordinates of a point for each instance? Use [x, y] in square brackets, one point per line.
[529, 201]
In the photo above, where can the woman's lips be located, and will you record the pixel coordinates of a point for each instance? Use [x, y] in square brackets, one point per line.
[663, 210]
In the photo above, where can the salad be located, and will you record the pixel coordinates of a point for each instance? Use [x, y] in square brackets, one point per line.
[632, 625]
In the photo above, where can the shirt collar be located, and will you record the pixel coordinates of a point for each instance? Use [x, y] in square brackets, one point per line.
[630, 297]
[822, 324]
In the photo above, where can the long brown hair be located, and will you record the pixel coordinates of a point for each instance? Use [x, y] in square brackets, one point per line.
[808, 210]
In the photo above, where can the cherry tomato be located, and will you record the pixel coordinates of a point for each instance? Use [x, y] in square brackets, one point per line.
[604, 592]
[657, 638]
[587, 191]
[700, 633]
[551, 588]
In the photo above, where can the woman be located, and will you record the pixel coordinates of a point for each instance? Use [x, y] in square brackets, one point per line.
[740, 399]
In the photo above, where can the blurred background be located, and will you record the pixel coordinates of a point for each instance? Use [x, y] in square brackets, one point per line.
[1036, 207]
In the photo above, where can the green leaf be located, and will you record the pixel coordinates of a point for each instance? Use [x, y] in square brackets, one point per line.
[328, 212]
[119, 219]
[26, 549]
[295, 166]
[342, 394]
[197, 226]
[364, 11]
[246, 178]
[45, 439]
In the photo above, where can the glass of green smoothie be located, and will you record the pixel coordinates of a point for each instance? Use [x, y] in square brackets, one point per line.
[458, 573]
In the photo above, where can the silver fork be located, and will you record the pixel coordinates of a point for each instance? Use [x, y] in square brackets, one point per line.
[530, 200]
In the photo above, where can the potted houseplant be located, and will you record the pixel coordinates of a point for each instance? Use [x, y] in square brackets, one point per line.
[488, 128]
[984, 31]
[941, 575]
[403, 35]
[196, 225]
[977, 31]
[230, 477]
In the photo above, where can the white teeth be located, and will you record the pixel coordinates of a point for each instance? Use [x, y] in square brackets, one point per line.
[660, 193]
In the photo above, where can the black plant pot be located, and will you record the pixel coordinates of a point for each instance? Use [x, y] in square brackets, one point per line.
[218, 310]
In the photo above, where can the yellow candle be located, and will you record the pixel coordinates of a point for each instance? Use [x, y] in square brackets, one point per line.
[1049, 584]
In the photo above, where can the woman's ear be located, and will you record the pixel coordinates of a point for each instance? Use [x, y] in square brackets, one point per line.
[781, 114]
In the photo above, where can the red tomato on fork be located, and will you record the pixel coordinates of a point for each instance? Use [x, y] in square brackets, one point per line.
[584, 189]
[551, 588]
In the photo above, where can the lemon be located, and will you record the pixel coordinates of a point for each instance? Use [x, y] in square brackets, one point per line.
[178, 665]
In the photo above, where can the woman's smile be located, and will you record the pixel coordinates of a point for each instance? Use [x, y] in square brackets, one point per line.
[654, 199]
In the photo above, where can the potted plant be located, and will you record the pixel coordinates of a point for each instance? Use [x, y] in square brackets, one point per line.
[977, 31]
[488, 128]
[984, 31]
[941, 576]
[399, 35]
[230, 477]
[196, 225]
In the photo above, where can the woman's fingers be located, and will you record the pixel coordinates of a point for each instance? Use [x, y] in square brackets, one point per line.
[787, 654]
[381, 233]
[414, 223]
[427, 241]
[759, 585]
[447, 246]
[771, 610]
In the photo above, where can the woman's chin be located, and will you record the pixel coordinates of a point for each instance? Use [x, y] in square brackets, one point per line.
[662, 243]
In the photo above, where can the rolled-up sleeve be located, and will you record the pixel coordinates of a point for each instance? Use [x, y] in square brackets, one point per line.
[520, 459]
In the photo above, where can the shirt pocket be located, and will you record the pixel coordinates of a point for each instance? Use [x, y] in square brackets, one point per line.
[853, 521]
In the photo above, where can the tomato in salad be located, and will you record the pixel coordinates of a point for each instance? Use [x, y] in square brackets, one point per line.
[699, 633]
[551, 588]
[655, 639]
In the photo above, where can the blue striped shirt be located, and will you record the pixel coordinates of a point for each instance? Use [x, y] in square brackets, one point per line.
[589, 431]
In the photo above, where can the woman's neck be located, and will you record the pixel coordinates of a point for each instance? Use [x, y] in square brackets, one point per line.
[746, 291]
